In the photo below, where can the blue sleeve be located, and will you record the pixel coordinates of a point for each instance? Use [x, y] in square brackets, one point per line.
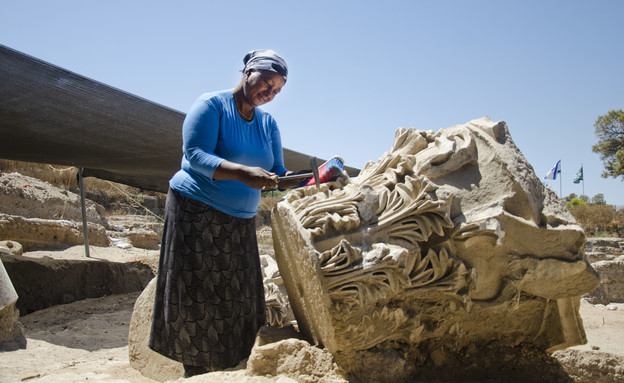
[200, 133]
[278, 153]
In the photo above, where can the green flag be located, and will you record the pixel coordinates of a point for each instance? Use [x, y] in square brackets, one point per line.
[579, 176]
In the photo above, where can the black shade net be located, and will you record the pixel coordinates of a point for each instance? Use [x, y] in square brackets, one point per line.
[53, 116]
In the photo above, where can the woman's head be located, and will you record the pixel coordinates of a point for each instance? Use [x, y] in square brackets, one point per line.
[265, 59]
[264, 76]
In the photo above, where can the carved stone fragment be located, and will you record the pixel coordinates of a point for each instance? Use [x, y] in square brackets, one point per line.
[11, 330]
[448, 240]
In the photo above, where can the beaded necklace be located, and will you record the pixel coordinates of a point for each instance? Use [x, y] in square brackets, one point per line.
[239, 109]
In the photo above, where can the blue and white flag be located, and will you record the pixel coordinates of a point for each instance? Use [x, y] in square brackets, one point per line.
[552, 174]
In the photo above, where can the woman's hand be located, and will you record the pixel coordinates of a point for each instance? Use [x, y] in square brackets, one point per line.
[292, 183]
[259, 178]
[252, 176]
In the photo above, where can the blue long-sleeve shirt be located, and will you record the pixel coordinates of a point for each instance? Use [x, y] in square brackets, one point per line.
[213, 132]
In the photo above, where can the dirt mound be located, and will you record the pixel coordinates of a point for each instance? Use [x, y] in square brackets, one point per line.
[32, 198]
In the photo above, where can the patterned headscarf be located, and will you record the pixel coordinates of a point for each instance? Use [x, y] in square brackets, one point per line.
[266, 59]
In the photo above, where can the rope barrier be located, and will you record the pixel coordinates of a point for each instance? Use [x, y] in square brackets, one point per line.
[61, 170]
[128, 196]
[137, 203]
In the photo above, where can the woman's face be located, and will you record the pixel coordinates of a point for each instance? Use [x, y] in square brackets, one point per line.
[262, 86]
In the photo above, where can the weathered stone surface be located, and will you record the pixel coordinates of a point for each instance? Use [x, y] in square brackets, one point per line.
[280, 352]
[144, 239]
[11, 247]
[149, 363]
[612, 278]
[11, 331]
[12, 335]
[32, 198]
[603, 249]
[606, 256]
[124, 223]
[142, 231]
[592, 367]
[37, 233]
[447, 240]
[279, 313]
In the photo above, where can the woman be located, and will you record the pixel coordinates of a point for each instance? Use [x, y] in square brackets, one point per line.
[209, 300]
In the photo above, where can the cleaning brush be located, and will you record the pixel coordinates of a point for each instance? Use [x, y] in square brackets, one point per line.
[328, 171]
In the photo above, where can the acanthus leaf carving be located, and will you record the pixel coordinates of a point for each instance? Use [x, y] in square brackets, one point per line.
[276, 305]
[409, 213]
[437, 269]
[353, 280]
[378, 326]
[319, 215]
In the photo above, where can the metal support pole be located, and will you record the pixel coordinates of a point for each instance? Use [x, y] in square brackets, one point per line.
[85, 230]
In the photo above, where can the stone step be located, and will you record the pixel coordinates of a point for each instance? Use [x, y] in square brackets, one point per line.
[605, 245]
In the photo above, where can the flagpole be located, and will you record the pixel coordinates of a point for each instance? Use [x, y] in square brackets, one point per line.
[560, 193]
[583, 179]
[560, 176]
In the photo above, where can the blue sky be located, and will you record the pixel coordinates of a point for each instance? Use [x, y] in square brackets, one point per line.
[361, 69]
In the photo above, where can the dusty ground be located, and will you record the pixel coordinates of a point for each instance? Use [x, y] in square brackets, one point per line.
[87, 340]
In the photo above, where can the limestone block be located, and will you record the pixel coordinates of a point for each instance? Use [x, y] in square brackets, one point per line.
[142, 231]
[606, 256]
[143, 359]
[600, 249]
[11, 331]
[144, 239]
[448, 240]
[288, 356]
[605, 245]
[612, 278]
[129, 222]
[279, 313]
[36, 233]
[8, 294]
[11, 247]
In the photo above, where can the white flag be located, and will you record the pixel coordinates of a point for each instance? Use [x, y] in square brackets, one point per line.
[552, 174]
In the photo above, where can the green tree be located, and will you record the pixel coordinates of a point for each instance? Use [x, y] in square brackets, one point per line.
[598, 199]
[578, 202]
[570, 197]
[610, 131]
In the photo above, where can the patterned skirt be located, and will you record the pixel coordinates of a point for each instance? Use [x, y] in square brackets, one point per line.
[209, 300]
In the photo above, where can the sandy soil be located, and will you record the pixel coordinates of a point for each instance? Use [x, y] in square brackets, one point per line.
[604, 326]
[87, 340]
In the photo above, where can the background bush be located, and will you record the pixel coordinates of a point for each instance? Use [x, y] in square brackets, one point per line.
[599, 220]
